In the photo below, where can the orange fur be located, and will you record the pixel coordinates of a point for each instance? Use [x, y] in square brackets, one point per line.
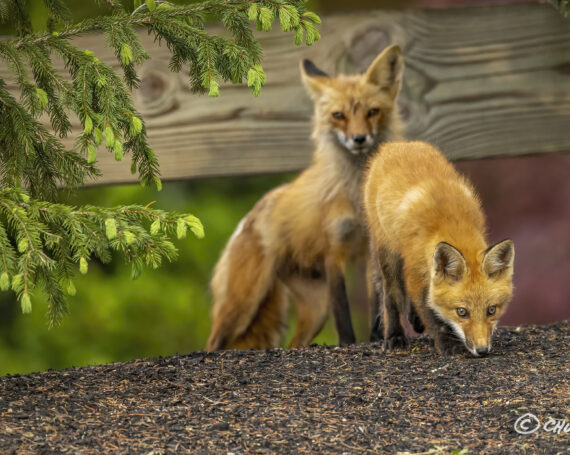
[427, 231]
[299, 236]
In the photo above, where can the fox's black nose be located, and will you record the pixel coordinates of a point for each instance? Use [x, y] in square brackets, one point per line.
[359, 138]
[482, 351]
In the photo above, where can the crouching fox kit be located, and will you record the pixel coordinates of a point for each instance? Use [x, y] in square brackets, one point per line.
[297, 238]
[427, 235]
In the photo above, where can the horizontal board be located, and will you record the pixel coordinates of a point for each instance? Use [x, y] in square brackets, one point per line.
[479, 82]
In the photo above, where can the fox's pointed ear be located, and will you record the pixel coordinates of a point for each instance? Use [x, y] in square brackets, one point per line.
[448, 262]
[314, 78]
[499, 258]
[386, 70]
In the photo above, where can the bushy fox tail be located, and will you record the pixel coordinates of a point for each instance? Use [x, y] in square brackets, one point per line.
[263, 330]
[250, 303]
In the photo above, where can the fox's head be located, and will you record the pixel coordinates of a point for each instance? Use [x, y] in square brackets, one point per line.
[471, 294]
[356, 112]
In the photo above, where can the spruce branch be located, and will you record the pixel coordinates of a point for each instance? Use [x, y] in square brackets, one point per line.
[43, 244]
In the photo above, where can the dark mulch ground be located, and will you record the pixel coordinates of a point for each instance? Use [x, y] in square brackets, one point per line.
[316, 400]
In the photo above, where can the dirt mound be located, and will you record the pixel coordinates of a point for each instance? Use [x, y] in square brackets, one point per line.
[316, 400]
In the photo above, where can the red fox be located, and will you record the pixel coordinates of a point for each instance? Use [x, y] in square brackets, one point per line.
[427, 236]
[297, 238]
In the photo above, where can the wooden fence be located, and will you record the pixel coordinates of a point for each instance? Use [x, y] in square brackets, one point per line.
[479, 82]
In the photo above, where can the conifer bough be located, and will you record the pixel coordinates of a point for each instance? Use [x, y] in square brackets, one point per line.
[43, 243]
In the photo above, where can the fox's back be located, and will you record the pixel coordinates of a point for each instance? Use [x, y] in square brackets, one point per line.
[413, 193]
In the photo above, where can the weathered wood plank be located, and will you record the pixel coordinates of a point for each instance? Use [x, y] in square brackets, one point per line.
[479, 82]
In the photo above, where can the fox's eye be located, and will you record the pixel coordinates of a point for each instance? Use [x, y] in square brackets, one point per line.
[338, 115]
[372, 112]
[462, 312]
[491, 310]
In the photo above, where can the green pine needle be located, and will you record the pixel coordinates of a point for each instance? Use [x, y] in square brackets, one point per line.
[312, 16]
[126, 54]
[150, 4]
[298, 35]
[195, 226]
[109, 137]
[70, 288]
[26, 303]
[252, 12]
[214, 89]
[118, 151]
[181, 228]
[110, 228]
[265, 19]
[285, 19]
[42, 97]
[83, 266]
[98, 136]
[4, 281]
[135, 127]
[129, 237]
[23, 245]
[155, 227]
[17, 282]
[88, 125]
[91, 154]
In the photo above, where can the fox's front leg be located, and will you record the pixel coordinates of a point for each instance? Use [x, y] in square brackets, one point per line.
[394, 299]
[344, 233]
[375, 296]
[339, 303]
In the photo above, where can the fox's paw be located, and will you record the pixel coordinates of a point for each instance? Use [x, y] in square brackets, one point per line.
[396, 342]
[376, 336]
[347, 341]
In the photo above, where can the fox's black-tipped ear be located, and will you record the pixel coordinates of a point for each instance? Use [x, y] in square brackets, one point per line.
[311, 69]
[313, 77]
[448, 262]
[499, 258]
[386, 70]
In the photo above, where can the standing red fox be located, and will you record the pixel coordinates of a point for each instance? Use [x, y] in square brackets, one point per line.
[298, 237]
[427, 233]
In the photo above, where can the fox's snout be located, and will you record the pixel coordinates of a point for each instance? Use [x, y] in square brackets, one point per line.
[359, 139]
[479, 346]
[355, 142]
[479, 351]
[483, 351]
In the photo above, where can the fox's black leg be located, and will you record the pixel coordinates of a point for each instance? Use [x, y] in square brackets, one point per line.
[376, 308]
[415, 320]
[394, 300]
[394, 336]
[377, 329]
[339, 303]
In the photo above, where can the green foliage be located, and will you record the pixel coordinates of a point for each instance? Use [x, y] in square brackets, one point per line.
[53, 237]
[43, 243]
[563, 6]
